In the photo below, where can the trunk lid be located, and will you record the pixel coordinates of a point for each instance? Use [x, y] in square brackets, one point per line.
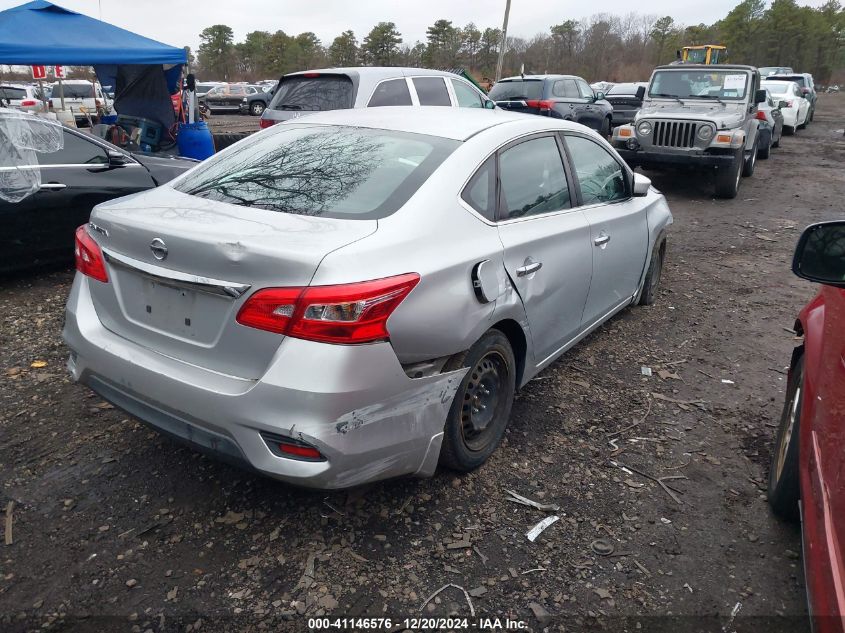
[180, 267]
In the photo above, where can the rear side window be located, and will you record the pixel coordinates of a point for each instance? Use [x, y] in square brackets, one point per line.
[467, 97]
[565, 88]
[600, 177]
[517, 89]
[532, 179]
[391, 93]
[432, 91]
[480, 192]
[323, 92]
[321, 170]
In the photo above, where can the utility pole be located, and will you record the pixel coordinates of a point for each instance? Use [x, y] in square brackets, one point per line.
[504, 41]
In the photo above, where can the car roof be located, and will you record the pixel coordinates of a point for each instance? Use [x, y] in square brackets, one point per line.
[705, 67]
[458, 124]
[788, 76]
[537, 77]
[376, 72]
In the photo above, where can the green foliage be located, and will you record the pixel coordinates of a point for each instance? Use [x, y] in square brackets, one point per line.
[344, 50]
[216, 51]
[381, 46]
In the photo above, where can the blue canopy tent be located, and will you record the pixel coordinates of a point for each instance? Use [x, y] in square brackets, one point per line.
[144, 72]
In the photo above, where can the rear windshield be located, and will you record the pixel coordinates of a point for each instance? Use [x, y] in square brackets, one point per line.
[7, 92]
[321, 170]
[799, 79]
[74, 91]
[623, 89]
[324, 92]
[517, 89]
[778, 87]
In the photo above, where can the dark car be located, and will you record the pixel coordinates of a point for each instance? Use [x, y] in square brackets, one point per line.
[559, 96]
[805, 82]
[626, 99]
[806, 480]
[255, 104]
[86, 171]
[228, 97]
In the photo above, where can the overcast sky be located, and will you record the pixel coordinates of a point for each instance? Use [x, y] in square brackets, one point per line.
[179, 22]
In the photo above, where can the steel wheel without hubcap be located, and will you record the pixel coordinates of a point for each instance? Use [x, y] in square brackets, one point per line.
[481, 400]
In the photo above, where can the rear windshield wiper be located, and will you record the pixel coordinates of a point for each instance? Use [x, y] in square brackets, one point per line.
[513, 98]
[289, 106]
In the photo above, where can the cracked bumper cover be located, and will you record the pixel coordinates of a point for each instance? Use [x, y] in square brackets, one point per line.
[355, 404]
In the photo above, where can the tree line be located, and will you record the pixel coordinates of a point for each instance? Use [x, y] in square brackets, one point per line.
[601, 47]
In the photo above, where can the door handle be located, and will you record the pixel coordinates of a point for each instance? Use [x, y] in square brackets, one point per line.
[602, 239]
[522, 271]
[53, 186]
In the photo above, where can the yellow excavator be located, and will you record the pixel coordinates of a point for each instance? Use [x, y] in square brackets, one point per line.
[703, 54]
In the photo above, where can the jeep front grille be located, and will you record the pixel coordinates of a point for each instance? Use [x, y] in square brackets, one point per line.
[674, 133]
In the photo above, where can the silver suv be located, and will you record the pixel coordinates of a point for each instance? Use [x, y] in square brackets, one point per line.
[699, 116]
[311, 91]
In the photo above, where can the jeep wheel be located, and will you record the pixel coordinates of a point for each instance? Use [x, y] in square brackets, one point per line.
[728, 177]
[750, 161]
[256, 109]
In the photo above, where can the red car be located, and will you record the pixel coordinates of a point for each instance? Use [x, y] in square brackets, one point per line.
[807, 477]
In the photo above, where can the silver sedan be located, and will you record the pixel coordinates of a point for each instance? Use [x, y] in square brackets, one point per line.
[357, 295]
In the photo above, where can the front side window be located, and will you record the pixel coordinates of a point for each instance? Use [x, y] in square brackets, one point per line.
[699, 84]
[600, 177]
[480, 192]
[467, 97]
[432, 91]
[321, 170]
[76, 151]
[586, 91]
[532, 179]
[391, 93]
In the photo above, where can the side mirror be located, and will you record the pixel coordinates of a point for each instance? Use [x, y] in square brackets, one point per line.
[641, 93]
[599, 96]
[820, 254]
[783, 104]
[760, 96]
[641, 185]
[117, 159]
[490, 104]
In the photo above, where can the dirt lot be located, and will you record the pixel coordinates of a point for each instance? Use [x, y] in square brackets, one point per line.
[115, 527]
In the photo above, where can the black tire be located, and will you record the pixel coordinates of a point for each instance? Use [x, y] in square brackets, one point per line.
[812, 115]
[776, 143]
[763, 152]
[788, 130]
[605, 127]
[490, 383]
[784, 483]
[256, 108]
[727, 178]
[750, 162]
[655, 272]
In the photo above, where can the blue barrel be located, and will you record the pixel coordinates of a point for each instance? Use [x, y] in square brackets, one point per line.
[195, 141]
[108, 119]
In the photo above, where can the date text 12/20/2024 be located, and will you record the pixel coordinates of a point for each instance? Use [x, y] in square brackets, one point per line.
[416, 624]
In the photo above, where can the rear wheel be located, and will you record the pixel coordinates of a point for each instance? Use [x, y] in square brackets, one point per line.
[482, 406]
[789, 130]
[784, 485]
[256, 109]
[605, 127]
[763, 152]
[750, 161]
[728, 177]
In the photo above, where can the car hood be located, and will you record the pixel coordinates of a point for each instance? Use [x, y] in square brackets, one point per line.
[724, 116]
[165, 168]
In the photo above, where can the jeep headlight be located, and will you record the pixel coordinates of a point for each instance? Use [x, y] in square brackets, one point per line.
[644, 128]
[705, 133]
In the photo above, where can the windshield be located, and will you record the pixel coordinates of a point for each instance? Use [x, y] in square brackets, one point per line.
[777, 87]
[323, 92]
[699, 84]
[321, 170]
[517, 89]
[73, 91]
[7, 92]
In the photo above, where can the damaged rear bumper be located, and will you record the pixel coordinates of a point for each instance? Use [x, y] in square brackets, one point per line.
[355, 404]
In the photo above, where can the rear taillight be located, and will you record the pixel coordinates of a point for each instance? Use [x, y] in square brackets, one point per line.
[28, 102]
[89, 257]
[761, 116]
[348, 313]
[265, 123]
[542, 104]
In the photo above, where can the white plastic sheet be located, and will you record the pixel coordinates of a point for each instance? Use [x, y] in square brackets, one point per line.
[22, 135]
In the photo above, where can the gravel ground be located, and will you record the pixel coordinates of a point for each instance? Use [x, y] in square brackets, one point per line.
[117, 528]
[233, 123]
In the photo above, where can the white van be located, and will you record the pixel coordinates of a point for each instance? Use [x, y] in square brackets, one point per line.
[80, 93]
